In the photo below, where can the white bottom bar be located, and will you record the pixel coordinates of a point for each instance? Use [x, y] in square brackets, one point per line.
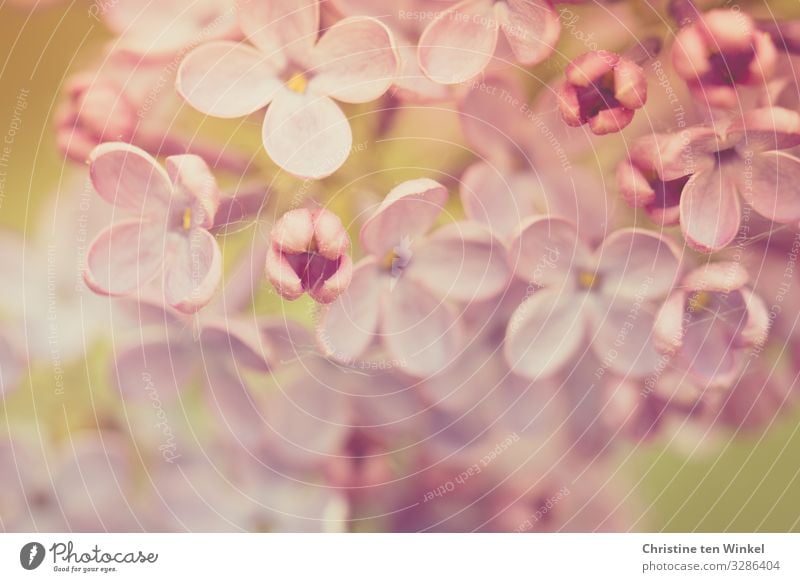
[402, 557]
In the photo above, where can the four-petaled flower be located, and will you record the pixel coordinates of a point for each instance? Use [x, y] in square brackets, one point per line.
[405, 300]
[708, 323]
[697, 175]
[297, 75]
[168, 233]
[599, 298]
[461, 41]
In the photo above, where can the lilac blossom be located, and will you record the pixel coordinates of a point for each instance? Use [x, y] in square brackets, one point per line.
[594, 298]
[701, 175]
[172, 212]
[402, 292]
[710, 322]
[461, 40]
[297, 76]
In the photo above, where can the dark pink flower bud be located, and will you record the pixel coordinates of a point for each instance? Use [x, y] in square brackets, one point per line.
[602, 89]
[308, 254]
[721, 50]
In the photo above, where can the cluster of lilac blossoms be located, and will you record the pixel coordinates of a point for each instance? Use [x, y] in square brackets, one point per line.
[436, 265]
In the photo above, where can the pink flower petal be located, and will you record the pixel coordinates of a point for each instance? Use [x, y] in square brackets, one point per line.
[710, 211]
[493, 121]
[721, 277]
[767, 128]
[622, 337]
[306, 421]
[282, 275]
[158, 369]
[193, 180]
[611, 120]
[531, 27]
[462, 262]
[166, 26]
[668, 327]
[237, 409]
[227, 79]
[306, 135]
[332, 240]
[193, 271]
[411, 82]
[281, 29]
[198, 495]
[241, 340]
[407, 212]
[496, 199]
[546, 250]
[709, 347]
[355, 61]
[294, 231]
[637, 264]
[771, 185]
[91, 485]
[756, 329]
[130, 178]
[329, 289]
[545, 332]
[678, 154]
[419, 330]
[459, 43]
[124, 257]
[633, 185]
[347, 327]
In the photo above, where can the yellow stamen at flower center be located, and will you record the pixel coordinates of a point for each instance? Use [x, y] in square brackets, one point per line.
[297, 83]
[699, 300]
[587, 280]
[187, 219]
[389, 259]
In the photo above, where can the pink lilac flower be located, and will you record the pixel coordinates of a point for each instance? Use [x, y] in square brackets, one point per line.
[461, 41]
[701, 173]
[508, 489]
[721, 51]
[602, 89]
[406, 19]
[508, 184]
[172, 212]
[297, 75]
[492, 117]
[779, 287]
[308, 253]
[710, 322]
[759, 395]
[781, 90]
[401, 292]
[599, 298]
[170, 353]
[124, 97]
[164, 27]
[84, 485]
[220, 488]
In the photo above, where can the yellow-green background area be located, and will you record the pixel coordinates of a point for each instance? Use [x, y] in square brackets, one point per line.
[752, 485]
